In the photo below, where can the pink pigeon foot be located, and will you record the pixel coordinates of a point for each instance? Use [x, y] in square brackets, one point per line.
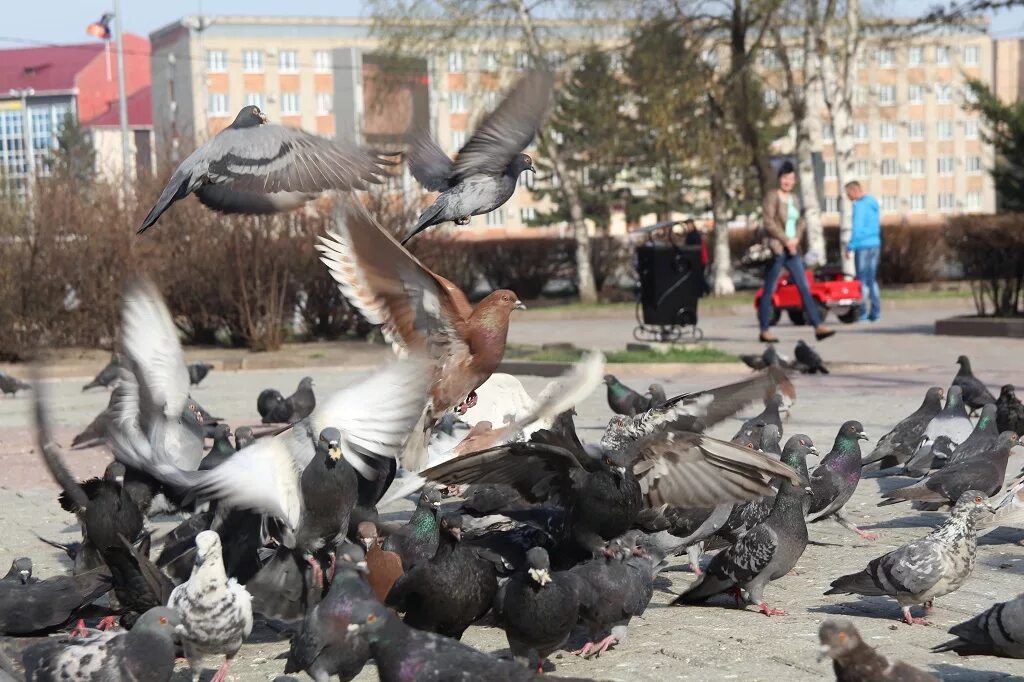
[79, 630]
[108, 623]
[603, 646]
[332, 567]
[769, 611]
[586, 649]
[909, 618]
[868, 535]
[318, 573]
[222, 671]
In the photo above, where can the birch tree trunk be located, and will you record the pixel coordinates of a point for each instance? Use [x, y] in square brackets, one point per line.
[839, 56]
[722, 258]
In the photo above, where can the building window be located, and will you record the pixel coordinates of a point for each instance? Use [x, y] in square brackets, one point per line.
[890, 203]
[529, 180]
[915, 56]
[942, 55]
[556, 59]
[972, 55]
[946, 165]
[916, 166]
[522, 60]
[252, 61]
[860, 131]
[918, 203]
[288, 61]
[831, 170]
[769, 59]
[219, 104]
[254, 99]
[290, 103]
[527, 213]
[488, 62]
[947, 202]
[324, 103]
[615, 59]
[796, 58]
[915, 130]
[973, 201]
[861, 169]
[322, 61]
[973, 164]
[832, 204]
[915, 94]
[971, 128]
[771, 97]
[457, 102]
[216, 61]
[458, 139]
[886, 95]
[860, 95]
[944, 129]
[889, 168]
[496, 218]
[887, 130]
[490, 99]
[456, 62]
[944, 93]
[885, 58]
[969, 95]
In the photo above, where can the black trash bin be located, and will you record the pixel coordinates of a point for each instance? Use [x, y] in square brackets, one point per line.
[670, 283]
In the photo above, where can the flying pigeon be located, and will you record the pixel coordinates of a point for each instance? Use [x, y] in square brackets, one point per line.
[485, 172]
[197, 371]
[920, 571]
[810, 361]
[10, 385]
[899, 445]
[257, 168]
[769, 358]
[855, 661]
[975, 393]
[1009, 410]
[107, 376]
[997, 631]
[836, 477]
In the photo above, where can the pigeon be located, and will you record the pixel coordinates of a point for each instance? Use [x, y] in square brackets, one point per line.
[769, 358]
[303, 401]
[751, 429]
[836, 477]
[951, 421]
[138, 584]
[274, 408]
[899, 445]
[107, 376]
[244, 437]
[11, 385]
[656, 393]
[146, 652]
[975, 394]
[624, 400]
[417, 541]
[20, 572]
[855, 661]
[420, 310]
[404, 654]
[766, 552]
[485, 172]
[997, 631]
[810, 361]
[221, 449]
[384, 568]
[327, 644]
[95, 434]
[450, 591]
[215, 611]
[981, 440]
[197, 371]
[253, 167]
[538, 609]
[1009, 410]
[920, 571]
[984, 471]
[39, 606]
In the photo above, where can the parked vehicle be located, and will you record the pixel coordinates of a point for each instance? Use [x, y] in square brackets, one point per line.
[832, 292]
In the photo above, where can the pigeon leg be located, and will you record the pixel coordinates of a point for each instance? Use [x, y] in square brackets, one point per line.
[909, 618]
[603, 646]
[318, 572]
[737, 594]
[108, 623]
[585, 650]
[332, 567]
[222, 671]
[769, 611]
[846, 523]
[693, 553]
[79, 630]
[471, 399]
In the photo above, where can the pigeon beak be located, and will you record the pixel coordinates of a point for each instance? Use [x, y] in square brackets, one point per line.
[456, 533]
[541, 576]
[362, 567]
[119, 480]
[813, 450]
[519, 305]
[263, 117]
[333, 451]
[621, 471]
[435, 505]
[990, 509]
[823, 652]
[353, 627]
[24, 576]
[368, 543]
[862, 436]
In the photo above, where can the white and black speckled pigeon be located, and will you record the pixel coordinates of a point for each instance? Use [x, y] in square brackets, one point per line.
[256, 168]
[766, 552]
[899, 445]
[920, 571]
[144, 653]
[215, 611]
[997, 631]
[835, 479]
[976, 394]
[855, 661]
[484, 174]
[951, 421]
[10, 385]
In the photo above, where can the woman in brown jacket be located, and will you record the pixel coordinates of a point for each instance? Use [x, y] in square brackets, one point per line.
[784, 226]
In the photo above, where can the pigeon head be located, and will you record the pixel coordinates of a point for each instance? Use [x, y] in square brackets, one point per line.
[191, 416]
[22, 569]
[521, 163]
[1007, 391]
[249, 117]
[538, 566]
[161, 620]
[770, 437]
[838, 639]
[452, 524]
[964, 362]
[431, 498]
[367, 532]
[114, 473]
[934, 395]
[244, 436]
[971, 504]
[329, 444]
[610, 379]
[222, 431]
[1007, 440]
[207, 547]
[943, 446]
[306, 383]
[954, 396]
[618, 462]
[350, 555]
[795, 454]
[849, 434]
[503, 301]
[774, 401]
[368, 617]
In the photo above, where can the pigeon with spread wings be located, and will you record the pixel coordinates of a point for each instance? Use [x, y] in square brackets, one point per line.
[253, 167]
[485, 172]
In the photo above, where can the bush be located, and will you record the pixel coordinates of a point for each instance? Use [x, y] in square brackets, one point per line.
[910, 253]
[523, 265]
[991, 250]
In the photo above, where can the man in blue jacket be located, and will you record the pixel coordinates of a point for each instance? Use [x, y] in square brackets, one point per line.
[865, 246]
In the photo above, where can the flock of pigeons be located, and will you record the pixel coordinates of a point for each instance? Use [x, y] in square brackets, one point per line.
[546, 533]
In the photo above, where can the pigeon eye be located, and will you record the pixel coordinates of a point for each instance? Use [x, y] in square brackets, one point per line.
[977, 500]
[371, 618]
[163, 620]
[842, 636]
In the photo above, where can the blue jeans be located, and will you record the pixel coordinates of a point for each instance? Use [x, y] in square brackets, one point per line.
[795, 265]
[866, 261]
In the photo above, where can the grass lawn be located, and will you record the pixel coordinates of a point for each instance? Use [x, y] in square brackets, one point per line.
[694, 355]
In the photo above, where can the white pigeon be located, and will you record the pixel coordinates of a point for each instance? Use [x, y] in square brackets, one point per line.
[215, 611]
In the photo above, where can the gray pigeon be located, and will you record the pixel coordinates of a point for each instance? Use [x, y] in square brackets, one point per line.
[39, 606]
[976, 394]
[952, 421]
[750, 431]
[303, 401]
[835, 479]
[997, 631]
[810, 361]
[143, 654]
[484, 174]
[1009, 410]
[20, 572]
[899, 445]
[656, 393]
[978, 443]
[244, 437]
[769, 358]
[855, 661]
[11, 385]
[768, 551]
[254, 167]
[197, 371]
[920, 571]
[215, 611]
[107, 375]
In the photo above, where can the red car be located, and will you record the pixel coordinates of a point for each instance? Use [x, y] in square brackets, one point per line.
[831, 290]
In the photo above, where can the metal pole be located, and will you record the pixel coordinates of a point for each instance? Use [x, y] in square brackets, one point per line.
[122, 100]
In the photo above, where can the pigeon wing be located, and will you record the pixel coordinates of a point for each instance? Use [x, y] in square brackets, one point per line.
[429, 164]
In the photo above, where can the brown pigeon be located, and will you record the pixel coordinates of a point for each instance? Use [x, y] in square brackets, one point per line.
[385, 568]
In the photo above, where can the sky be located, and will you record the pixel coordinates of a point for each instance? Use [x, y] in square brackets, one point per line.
[64, 21]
